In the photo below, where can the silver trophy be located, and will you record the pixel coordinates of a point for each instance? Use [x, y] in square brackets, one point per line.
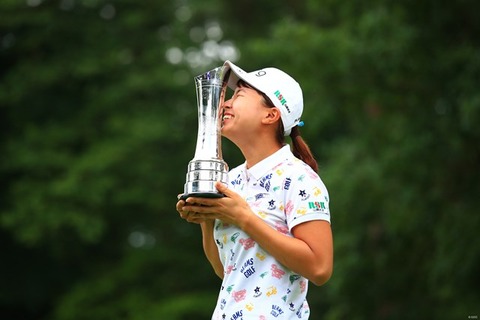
[207, 166]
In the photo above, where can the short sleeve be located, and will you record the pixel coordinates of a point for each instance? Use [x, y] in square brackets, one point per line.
[306, 197]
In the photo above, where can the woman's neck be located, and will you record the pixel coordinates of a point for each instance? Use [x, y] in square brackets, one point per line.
[257, 150]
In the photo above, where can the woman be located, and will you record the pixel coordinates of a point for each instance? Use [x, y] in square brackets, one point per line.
[270, 235]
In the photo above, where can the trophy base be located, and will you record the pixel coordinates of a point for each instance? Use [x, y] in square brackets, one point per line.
[202, 176]
[201, 195]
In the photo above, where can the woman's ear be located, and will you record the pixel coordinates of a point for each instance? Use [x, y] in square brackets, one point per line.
[272, 115]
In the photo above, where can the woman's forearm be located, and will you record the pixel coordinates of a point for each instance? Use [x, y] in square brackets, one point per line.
[210, 248]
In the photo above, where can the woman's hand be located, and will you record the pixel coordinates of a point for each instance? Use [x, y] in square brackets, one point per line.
[231, 209]
[187, 215]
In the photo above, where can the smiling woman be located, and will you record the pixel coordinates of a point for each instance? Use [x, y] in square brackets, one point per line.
[270, 235]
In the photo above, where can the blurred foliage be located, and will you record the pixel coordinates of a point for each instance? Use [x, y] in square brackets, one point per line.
[98, 123]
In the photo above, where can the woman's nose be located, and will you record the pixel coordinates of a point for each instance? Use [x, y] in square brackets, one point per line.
[227, 103]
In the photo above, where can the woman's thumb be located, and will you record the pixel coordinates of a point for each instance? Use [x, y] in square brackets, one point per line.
[222, 188]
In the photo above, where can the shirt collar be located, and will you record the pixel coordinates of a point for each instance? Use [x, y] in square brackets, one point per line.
[267, 164]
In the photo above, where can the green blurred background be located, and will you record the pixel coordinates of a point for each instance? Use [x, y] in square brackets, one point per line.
[98, 123]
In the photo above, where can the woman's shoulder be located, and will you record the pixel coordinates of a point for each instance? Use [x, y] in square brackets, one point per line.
[295, 166]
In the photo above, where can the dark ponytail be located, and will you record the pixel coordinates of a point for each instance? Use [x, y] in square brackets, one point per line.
[301, 150]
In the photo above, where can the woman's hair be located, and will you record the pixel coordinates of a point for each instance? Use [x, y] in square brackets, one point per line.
[300, 148]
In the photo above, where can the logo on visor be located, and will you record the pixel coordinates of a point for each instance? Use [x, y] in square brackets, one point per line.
[282, 100]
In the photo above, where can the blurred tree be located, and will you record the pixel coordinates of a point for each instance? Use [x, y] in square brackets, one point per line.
[98, 122]
[95, 106]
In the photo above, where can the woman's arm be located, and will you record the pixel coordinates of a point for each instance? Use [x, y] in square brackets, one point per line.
[309, 253]
[208, 242]
[210, 248]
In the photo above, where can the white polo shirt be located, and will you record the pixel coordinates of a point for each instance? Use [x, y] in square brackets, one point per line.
[284, 192]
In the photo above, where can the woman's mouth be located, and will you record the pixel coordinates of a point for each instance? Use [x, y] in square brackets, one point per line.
[227, 116]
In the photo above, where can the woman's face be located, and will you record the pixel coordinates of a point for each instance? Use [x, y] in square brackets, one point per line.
[242, 113]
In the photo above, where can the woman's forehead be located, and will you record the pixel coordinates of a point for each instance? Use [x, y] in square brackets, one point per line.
[243, 84]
